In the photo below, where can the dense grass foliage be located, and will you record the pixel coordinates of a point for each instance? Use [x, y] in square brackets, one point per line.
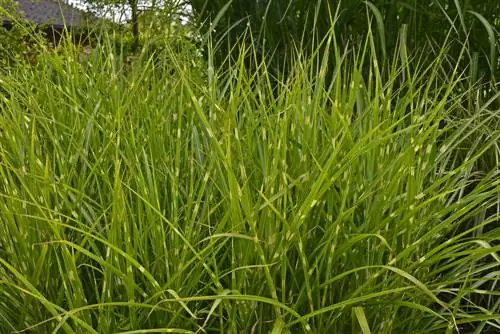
[278, 26]
[168, 197]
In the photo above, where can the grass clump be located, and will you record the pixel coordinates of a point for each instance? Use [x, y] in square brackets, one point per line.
[174, 198]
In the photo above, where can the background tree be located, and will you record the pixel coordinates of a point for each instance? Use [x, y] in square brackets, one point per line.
[157, 12]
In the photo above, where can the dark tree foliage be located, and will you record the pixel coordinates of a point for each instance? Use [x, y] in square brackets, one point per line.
[281, 25]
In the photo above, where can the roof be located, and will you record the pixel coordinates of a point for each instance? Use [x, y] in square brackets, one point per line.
[51, 12]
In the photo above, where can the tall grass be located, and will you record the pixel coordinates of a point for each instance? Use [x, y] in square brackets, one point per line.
[166, 197]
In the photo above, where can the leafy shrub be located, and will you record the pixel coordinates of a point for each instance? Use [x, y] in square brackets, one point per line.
[20, 43]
